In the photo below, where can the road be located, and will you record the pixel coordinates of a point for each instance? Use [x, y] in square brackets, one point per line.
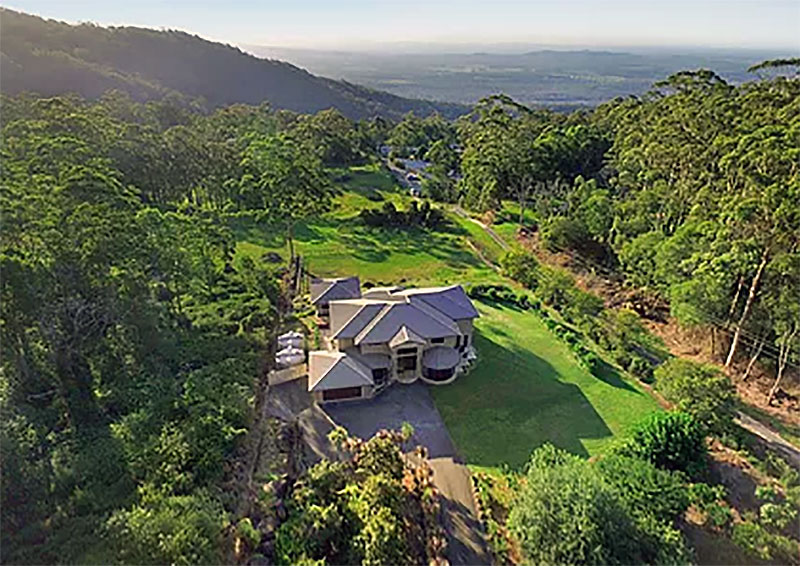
[788, 450]
[466, 544]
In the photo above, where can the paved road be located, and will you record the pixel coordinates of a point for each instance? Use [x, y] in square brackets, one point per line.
[413, 404]
[772, 438]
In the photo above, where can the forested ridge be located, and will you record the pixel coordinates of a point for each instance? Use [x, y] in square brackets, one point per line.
[50, 57]
[134, 336]
[690, 193]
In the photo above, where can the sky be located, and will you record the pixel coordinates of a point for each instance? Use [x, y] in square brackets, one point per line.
[376, 24]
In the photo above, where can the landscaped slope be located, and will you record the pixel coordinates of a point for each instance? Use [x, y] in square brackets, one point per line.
[339, 244]
[527, 389]
[50, 57]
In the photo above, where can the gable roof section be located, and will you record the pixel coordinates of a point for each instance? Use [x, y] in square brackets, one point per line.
[326, 290]
[388, 322]
[360, 320]
[405, 336]
[451, 301]
[333, 370]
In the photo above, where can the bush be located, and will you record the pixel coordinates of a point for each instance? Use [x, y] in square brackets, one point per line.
[670, 440]
[372, 508]
[700, 390]
[521, 267]
[567, 513]
[388, 216]
[161, 529]
[647, 491]
[555, 287]
[559, 233]
[759, 542]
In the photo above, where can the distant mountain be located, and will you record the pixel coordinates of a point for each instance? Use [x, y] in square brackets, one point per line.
[50, 57]
[555, 78]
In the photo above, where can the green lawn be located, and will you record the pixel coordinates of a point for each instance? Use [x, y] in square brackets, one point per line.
[338, 244]
[527, 389]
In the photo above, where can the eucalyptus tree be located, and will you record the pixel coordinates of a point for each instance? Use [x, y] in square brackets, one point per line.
[284, 182]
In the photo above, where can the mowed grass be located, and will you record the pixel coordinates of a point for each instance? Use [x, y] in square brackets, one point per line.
[339, 244]
[527, 389]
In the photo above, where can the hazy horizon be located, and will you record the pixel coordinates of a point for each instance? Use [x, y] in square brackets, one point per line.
[435, 26]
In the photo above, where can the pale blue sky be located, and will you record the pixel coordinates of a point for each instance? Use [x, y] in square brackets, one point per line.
[365, 23]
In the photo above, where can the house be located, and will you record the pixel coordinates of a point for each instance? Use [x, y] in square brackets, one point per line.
[390, 334]
[325, 290]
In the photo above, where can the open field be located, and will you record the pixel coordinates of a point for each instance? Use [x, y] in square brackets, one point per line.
[527, 389]
[338, 244]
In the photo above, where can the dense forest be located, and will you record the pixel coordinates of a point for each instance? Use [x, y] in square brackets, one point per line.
[690, 192]
[134, 338]
[50, 57]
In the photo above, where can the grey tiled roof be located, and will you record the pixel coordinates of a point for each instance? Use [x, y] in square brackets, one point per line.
[388, 322]
[360, 320]
[333, 370]
[452, 301]
[326, 290]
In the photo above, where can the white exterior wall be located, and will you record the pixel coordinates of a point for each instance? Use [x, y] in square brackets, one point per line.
[375, 349]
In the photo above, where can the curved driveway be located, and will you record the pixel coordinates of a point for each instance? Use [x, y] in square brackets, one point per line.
[413, 404]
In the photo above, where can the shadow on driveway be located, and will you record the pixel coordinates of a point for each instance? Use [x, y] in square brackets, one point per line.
[413, 404]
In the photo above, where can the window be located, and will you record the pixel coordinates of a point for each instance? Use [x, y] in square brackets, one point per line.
[438, 374]
[466, 340]
[437, 340]
[404, 351]
[380, 375]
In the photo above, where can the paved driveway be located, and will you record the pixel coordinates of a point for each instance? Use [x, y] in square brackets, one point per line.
[413, 404]
[390, 409]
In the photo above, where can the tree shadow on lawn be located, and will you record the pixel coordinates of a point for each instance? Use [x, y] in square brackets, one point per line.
[608, 374]
[376, 245]
[605, 373]
[513, 402]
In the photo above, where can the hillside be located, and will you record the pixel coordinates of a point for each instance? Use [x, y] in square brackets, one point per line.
[50, 57]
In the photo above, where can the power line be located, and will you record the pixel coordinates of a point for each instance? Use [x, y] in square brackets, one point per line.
[751, 339]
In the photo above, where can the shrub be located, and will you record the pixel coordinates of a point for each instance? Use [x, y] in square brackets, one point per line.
[161, 529]
[699, 390]
[582, 306]
[555, 287]
[647, 491]
[777, 515]
[670, 440]
[560, 232]
[759, 542]
[567, 513]
[372, 508]
[522, 267]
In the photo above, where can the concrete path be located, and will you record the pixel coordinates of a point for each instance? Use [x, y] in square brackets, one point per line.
[488, 229]
[466, 544]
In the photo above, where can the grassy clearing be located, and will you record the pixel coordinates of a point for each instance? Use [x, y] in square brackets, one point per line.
[338, 244]
[490, 249]
[527, 389]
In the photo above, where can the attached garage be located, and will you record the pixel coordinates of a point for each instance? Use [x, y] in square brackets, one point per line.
[334, 376]
[341, 393]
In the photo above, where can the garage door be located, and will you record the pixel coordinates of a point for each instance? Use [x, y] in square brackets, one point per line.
[341, 393]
